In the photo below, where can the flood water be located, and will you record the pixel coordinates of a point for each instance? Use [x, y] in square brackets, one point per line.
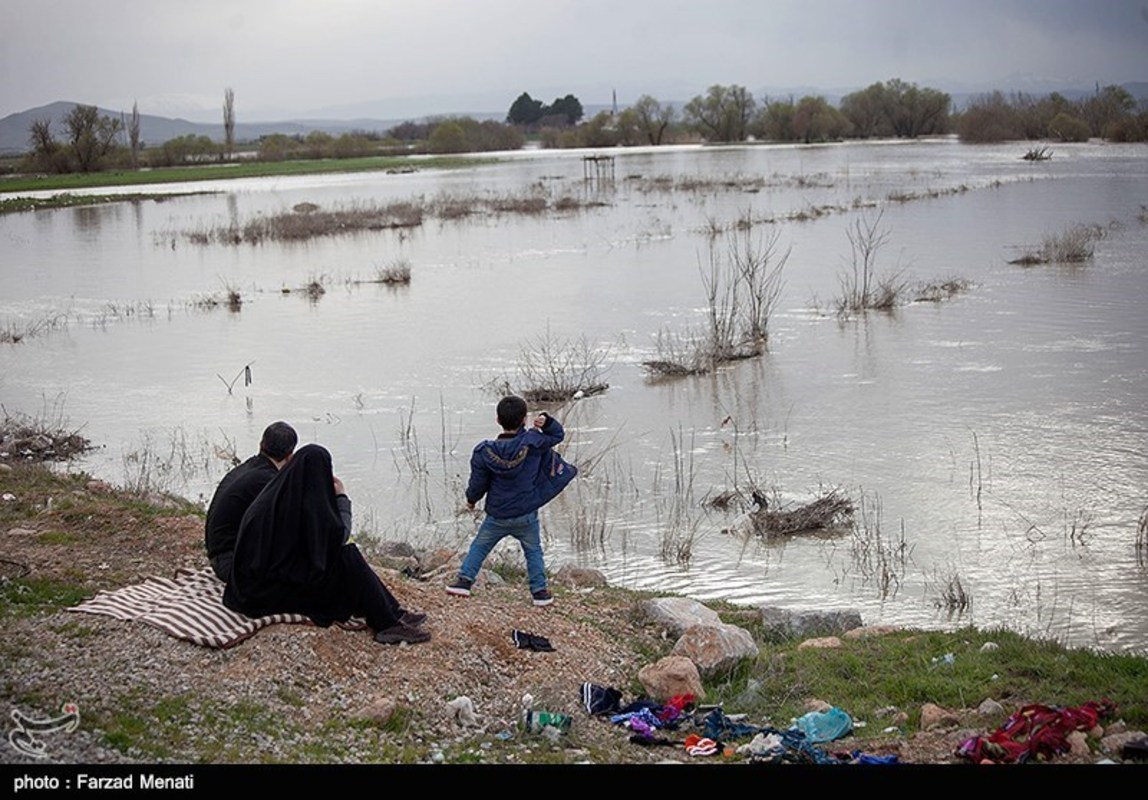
[993, 444]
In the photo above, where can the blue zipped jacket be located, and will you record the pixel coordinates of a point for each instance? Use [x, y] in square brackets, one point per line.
[508, 470]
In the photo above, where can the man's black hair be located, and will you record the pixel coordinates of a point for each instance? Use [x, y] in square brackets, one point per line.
[279, 440]
[511, 412]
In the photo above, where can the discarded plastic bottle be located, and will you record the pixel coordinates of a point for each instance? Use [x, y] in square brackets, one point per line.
[537, 721]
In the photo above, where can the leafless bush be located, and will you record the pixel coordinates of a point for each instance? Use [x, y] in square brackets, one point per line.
[47, 437]
[677, 528]
[758, 264]
[1143, 215]
[953, 597]
[15, 332]
[679, 354]
[860, 287]
[556, 369]
[741, 286]
[879, 560]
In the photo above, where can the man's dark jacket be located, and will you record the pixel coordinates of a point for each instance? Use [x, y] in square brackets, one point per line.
[235, 493]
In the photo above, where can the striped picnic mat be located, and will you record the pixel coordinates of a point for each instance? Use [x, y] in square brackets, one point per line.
[189, 607]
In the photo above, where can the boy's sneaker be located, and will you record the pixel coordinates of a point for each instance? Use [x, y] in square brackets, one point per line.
[542, 597]
[460, 587]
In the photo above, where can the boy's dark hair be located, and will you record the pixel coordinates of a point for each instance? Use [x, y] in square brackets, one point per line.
[511, 412]
[279, 440]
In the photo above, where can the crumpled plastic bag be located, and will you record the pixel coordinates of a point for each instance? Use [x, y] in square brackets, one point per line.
[462, 708]
[824, 726]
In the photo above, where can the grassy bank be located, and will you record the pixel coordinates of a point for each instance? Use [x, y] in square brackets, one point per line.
[244, 169]
[149, 698]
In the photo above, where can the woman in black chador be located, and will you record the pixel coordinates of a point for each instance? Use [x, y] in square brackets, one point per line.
[292, 556]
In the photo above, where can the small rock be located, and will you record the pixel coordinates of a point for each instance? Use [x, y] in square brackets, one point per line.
[871, 630]
[5, 468]
[989, 707]
[1078, 743]
[820, 706]
[1113, 743]
[933, 716]
[988, 647]
[21, 532]
[379, 711]
[824, 643]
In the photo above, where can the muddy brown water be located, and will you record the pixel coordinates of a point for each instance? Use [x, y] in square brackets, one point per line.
[995, 442]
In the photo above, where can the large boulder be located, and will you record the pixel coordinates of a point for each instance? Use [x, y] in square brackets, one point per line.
[679, 614]
[715, 649]
[670, 677]
[783, 623]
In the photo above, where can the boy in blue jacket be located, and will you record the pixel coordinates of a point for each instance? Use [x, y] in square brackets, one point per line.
[518, 473]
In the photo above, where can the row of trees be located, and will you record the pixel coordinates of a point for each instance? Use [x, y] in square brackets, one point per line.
[733, 114]
[1111, 113]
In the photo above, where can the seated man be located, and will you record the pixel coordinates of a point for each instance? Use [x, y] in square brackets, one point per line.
[238, 490]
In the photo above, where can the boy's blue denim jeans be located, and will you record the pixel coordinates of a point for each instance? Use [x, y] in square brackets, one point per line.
[492, 531]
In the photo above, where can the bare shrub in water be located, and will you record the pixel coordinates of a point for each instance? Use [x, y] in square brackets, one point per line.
[741, 286]
[46, 437]
[953, 596]
[16, 332]
[555, 369]
[880, 561]
[861, 289]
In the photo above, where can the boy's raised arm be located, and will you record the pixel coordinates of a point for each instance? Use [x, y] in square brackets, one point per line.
[550, 431]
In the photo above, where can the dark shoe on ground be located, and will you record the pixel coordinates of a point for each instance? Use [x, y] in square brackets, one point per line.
[398, 634]
[460, 587]
[413, 619]
[542, 597]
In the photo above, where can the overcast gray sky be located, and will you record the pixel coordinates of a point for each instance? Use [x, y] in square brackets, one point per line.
[289, 57]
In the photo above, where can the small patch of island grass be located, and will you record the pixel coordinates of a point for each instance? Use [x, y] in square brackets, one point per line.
[238, 169]
[1074, 245]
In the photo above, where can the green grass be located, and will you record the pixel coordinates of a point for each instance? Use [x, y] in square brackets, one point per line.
[898, 670]
[246, 169]
[28, 596]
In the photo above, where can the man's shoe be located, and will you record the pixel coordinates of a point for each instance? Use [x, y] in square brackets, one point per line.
[413, 619]
[542, 597]
[461, 587]
[400, 633]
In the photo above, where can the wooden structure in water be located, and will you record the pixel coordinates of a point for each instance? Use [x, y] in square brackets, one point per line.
[598, 168]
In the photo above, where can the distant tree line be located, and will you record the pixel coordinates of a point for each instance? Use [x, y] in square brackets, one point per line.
[895, 108]
[1110, 113]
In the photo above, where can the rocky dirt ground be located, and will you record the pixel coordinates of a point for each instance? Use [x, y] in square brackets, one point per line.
[296, 686]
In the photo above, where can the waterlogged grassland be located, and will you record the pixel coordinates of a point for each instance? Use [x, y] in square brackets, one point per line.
[212, 172]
